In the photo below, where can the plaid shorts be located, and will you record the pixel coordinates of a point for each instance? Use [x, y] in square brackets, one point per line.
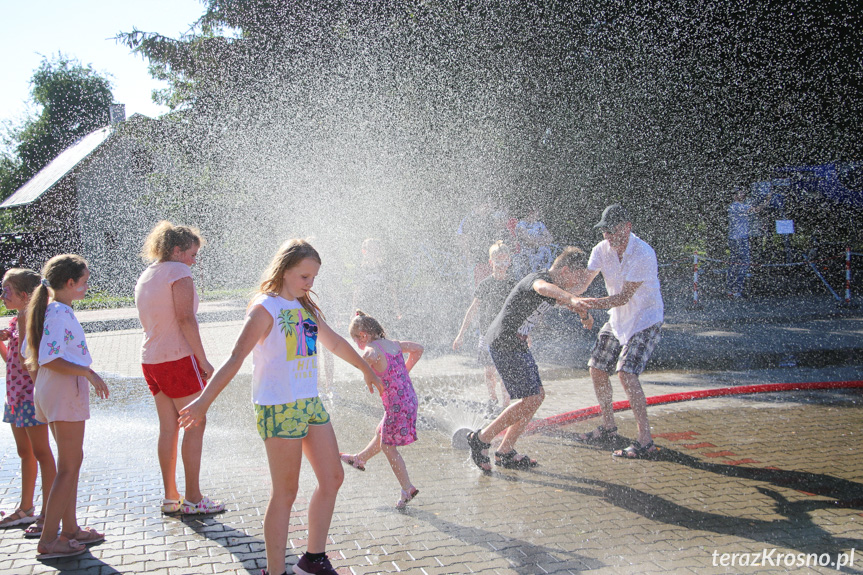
[631, 358]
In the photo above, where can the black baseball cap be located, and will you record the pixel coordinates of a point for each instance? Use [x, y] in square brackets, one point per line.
[612, 216]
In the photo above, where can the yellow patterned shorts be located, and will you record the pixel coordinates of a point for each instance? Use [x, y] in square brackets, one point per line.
[290, 420]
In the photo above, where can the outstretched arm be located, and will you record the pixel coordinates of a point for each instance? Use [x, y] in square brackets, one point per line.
[468, 318]
[611, 301]
[414, 351]
[257, 325]
[565, 299]
[585, 279]
[343, 350]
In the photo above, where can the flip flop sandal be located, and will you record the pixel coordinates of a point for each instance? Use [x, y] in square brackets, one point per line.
[403, 501]
[477, 446]
[60, 547]
[513, 460]
[599, 436]
[637, 451]
[86, 536]
[18, 517]
[34, 530]
[353, 461]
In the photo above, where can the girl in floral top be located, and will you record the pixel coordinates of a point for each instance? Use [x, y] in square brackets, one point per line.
[57, 352]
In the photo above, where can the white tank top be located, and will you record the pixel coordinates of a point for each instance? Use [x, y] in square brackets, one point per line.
[285, 365]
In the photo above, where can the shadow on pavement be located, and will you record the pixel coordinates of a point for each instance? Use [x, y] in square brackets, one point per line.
[74, 564]
[246, 549]
[525, 556]
[848, 494]
[772, 533]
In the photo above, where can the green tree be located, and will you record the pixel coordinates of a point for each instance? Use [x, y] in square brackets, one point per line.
[73, 100]
[664, 106]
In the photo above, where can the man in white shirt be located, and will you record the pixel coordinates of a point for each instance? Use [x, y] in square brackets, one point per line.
[625, 343]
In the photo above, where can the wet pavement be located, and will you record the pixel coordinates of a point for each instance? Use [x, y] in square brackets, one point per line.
[779, 475]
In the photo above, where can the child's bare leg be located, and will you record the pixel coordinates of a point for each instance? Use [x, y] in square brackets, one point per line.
[38, 435]
[284, 457]
[62, 499]
[29, 466]
[398, 466]
[530, 405]
[193, 445]
[635, 394]
[517, 412]
[372, 449]
[169, 432]
[491, 382]
[322, 451]
[602, 388]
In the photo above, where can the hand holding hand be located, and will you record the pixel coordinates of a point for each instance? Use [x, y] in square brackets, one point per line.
[5, 334]
[193, 414]
[580, 305]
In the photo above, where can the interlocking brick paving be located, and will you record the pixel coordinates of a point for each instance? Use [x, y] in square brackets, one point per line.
[581, 510]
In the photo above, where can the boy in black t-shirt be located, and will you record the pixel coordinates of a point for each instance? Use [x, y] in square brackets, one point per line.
[488, 300]
[507, 339]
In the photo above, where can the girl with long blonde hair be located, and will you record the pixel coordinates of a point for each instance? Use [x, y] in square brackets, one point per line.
[282, 330]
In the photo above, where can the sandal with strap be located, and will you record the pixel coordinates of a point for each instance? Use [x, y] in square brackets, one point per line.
[34, 530]
[403, 500]
[599, 436]
[514, 460]
[477, 446]
[18, 517]
[85, 535]
[353, 461]
[637, 451]
[60, 547]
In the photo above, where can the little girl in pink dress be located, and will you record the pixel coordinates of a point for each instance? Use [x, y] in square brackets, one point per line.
[398, 427]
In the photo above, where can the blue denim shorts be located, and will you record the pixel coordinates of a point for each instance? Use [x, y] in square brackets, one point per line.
[518, 371]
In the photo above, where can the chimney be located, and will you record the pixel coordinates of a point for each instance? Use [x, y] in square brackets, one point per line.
[117, 113]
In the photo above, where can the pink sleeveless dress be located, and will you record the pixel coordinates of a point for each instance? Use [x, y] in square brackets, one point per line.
[399, 425]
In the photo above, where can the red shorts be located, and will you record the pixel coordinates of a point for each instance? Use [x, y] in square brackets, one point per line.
[180, 378]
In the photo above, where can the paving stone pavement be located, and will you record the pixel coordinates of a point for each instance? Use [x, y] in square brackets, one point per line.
[738, 475]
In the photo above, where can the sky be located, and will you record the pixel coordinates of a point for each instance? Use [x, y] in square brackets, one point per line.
[31, 29]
